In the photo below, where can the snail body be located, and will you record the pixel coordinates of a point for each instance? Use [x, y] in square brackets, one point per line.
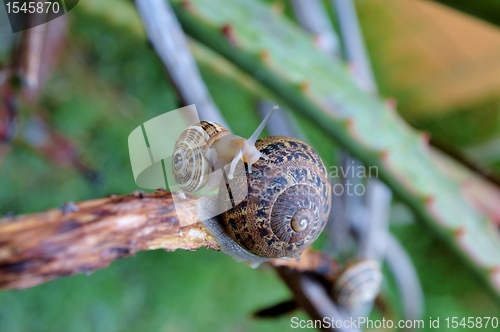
[207, 146]
[287, 205]
[358, 283]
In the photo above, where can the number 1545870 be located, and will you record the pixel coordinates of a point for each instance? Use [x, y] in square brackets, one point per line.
[32, 7]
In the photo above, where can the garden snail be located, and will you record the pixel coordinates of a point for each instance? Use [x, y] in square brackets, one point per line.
[287, 195]
[286, 208]
[358, 283]
[207, 146]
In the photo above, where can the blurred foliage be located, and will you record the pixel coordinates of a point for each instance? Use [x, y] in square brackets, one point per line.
[441, 66]
[485, 9]
[155, 291]
[107, 82]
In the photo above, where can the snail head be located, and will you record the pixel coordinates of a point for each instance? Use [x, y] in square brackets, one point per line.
[233, 148]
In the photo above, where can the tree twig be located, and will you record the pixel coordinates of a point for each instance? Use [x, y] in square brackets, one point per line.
[86, 236]
[83, 237]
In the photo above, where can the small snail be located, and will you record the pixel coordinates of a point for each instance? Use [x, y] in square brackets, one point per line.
[358, 283]
[206, 146]
[286, 208]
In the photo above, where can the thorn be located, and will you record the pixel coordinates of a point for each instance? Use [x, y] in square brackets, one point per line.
[384, 154]
[459, 232]
[391, 103]
[428, 200]
[305, 85]
[187, 5]
[277, 8]
[349, 123]
[495, 275]
[425, 136]
[264, 55]
[228, 32]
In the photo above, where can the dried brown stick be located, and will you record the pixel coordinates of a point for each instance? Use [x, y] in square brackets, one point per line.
[82, 237]
[86, 236]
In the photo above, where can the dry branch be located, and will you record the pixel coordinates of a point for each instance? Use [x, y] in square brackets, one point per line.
[86, 236]
[83, 237]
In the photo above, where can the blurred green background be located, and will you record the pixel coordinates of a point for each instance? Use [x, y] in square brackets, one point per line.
[107, 82]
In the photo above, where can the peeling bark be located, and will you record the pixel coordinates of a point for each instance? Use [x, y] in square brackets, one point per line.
[86, 236]
[83, 237]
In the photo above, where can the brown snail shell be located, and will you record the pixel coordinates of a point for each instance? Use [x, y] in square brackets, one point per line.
[207, 146]
[288, 201]
[358, 283]
[191, 162]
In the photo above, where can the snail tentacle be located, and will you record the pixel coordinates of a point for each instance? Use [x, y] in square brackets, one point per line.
[207, 146]
[234, 163]
[252, 139]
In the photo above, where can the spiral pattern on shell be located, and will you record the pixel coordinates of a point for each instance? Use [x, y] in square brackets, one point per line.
[358, 283]
[190, 165]
[288, 201]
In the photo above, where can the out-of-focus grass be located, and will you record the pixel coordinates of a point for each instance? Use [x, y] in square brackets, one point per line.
[154, 291]
[108, 82]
